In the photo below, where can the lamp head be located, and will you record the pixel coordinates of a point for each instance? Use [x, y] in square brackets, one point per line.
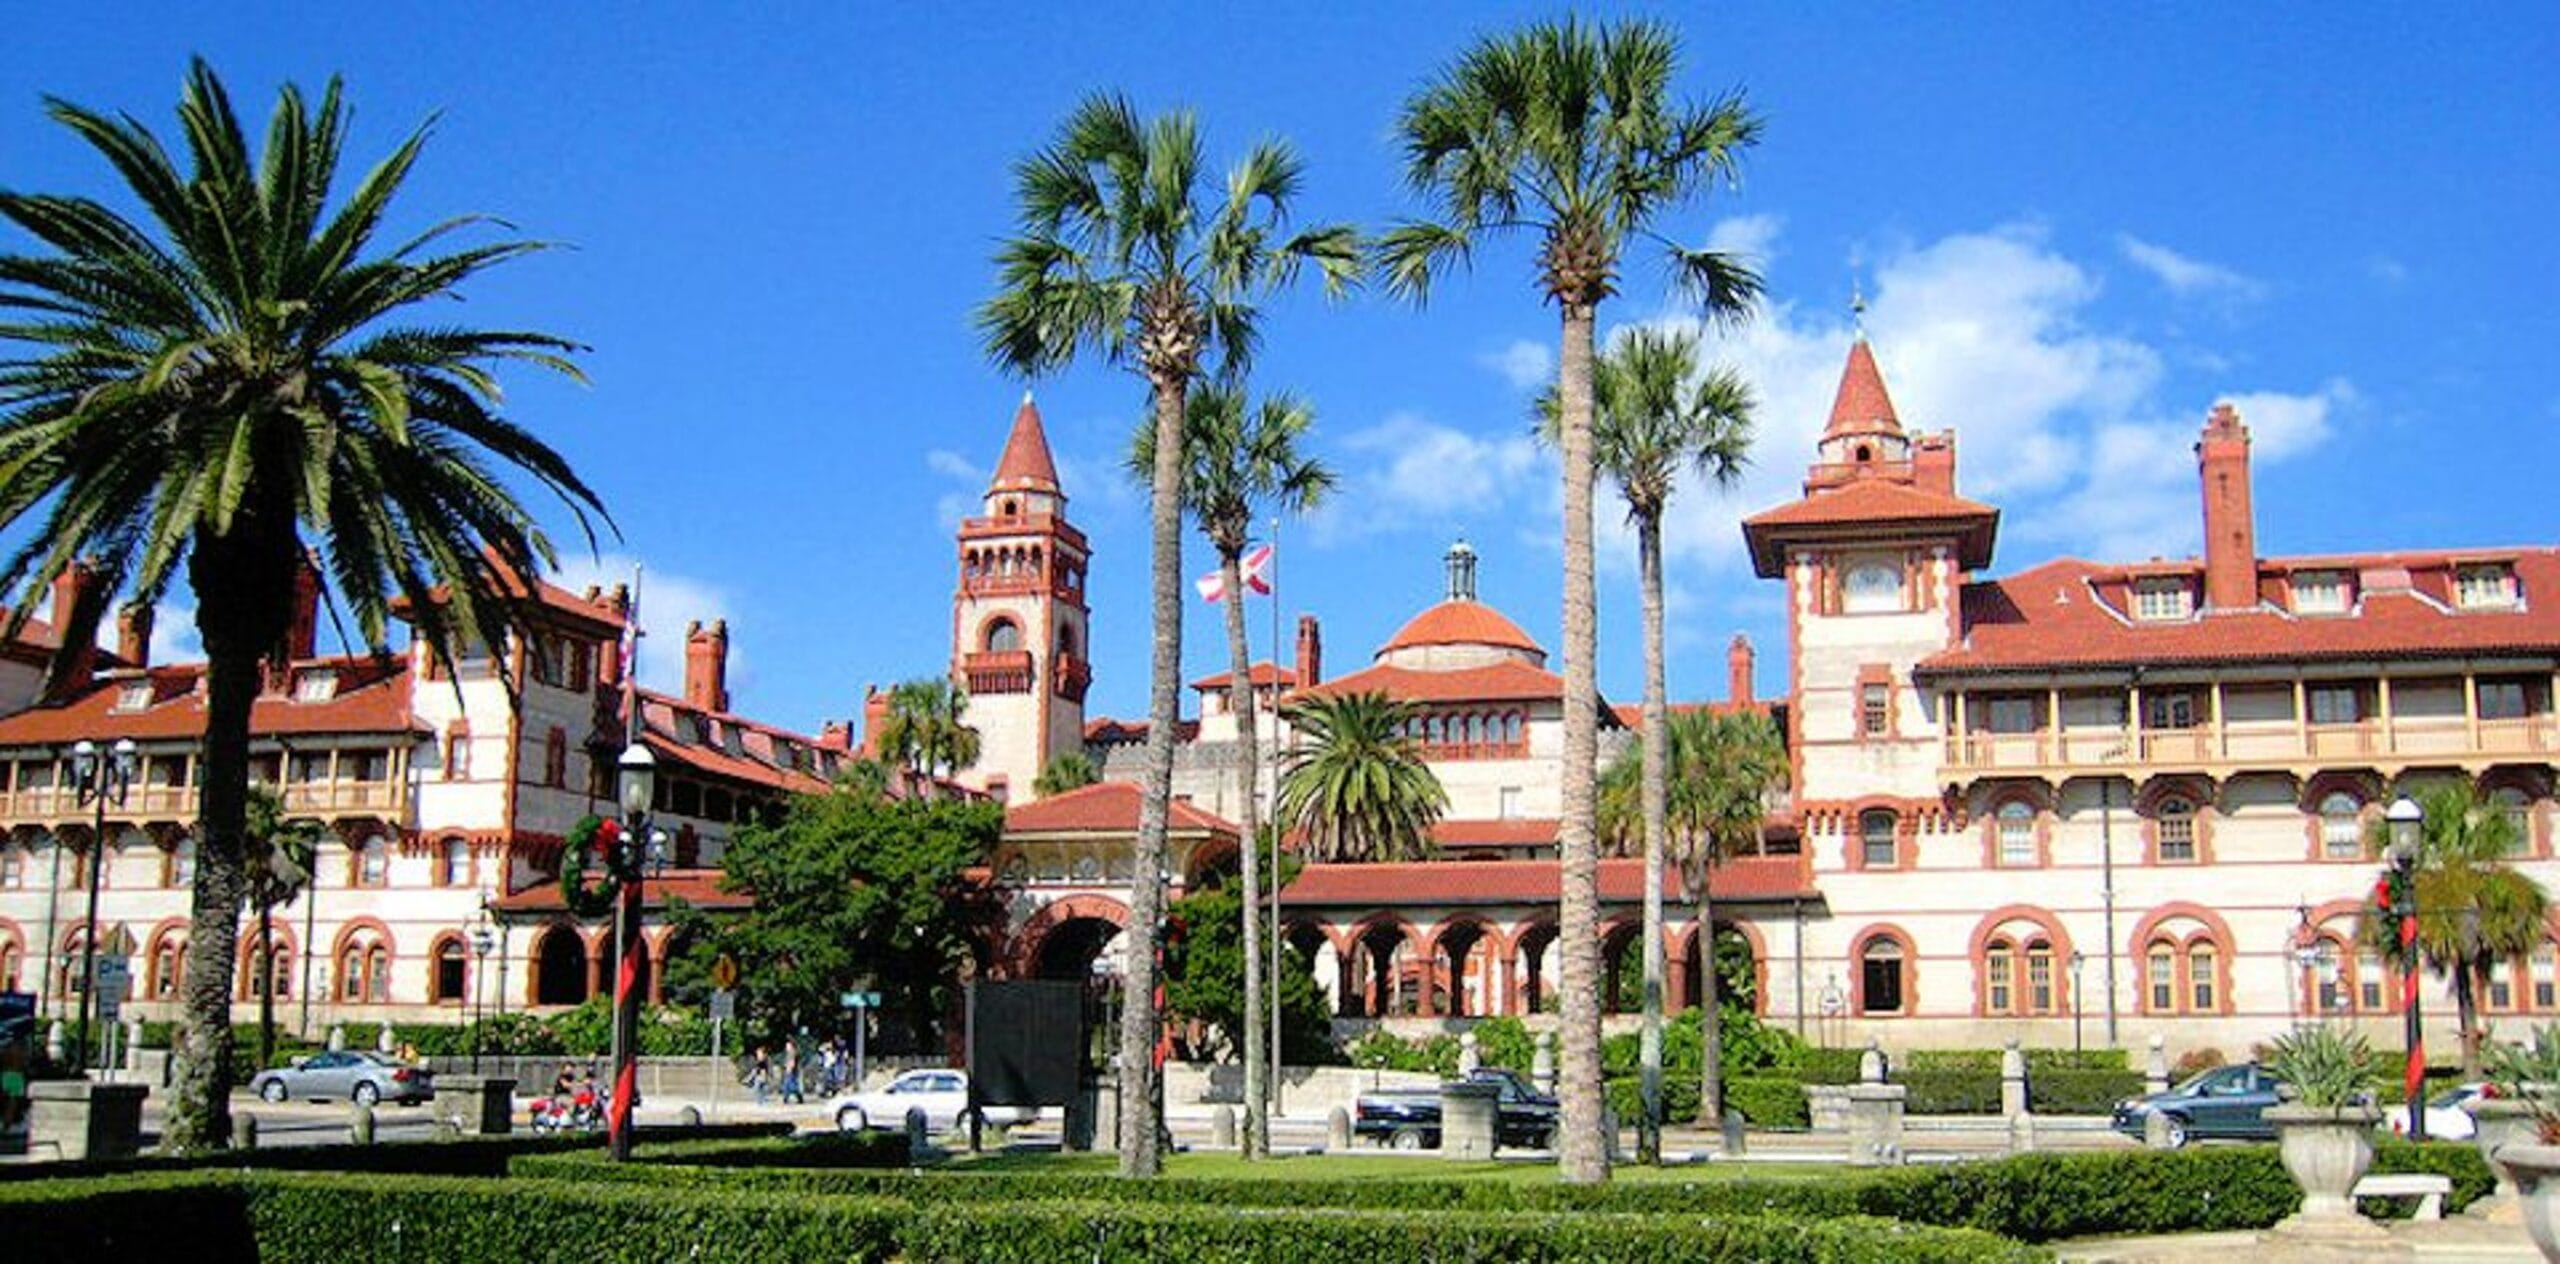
[639, 779]
[84, 758]
[126, 755]
[482, 941]
[2404, 819]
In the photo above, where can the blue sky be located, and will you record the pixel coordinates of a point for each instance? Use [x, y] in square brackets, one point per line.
[2076, 229]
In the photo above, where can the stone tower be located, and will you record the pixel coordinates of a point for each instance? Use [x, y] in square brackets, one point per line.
[1018, 619]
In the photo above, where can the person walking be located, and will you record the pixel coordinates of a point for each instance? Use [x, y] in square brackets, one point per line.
[791, 1095]
[760, 1074]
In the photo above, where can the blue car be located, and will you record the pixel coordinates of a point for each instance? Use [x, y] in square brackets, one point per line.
[2228, 1103]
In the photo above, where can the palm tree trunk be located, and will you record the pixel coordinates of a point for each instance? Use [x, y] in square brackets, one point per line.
[200, 1098]
[266, 983]
[2474, 977]
[1139, 1022]
[1584, 1155]
[1653, 789]
[1249, 814]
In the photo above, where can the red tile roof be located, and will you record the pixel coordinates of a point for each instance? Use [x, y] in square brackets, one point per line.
[668, 727]
[1862, 506]
[1461, 623]
[1110, 732]
[371, 696]
[2056, 615]
[1862, 407]
[1025, 465]
[1265, 672]
[1105, 807]
[697, 887]
[1527, 831]
[1504, 681]
[1460, 882]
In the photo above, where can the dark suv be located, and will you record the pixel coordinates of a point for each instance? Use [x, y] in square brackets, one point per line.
[2228, 1102]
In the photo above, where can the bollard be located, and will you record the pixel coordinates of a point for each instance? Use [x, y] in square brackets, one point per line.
[384, 1041]
[2022, 1133]
[1222, 1127]
[2013, 1081]
[1337, 1130]
[360, 1124]
[1734, 1132]
[337, 1037]
[1470, 1059]
[1542, 1063]
[919, 1135]
[1871, 1067]
[133, 1044]
[244, 1131]
[2155, 1072]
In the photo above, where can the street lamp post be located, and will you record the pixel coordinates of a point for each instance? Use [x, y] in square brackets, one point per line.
[481, 942]
[2405, 821]
[629, 857]
[2076, 959]
[98, 782]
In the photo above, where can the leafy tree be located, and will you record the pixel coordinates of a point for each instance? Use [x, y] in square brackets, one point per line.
[1356, 787]
[926, 731]
[2475, 911]
[1070, 770]
[1205, 973]
[1237, 458]
[277, 854]
[1654, 415]
[850, 890]
[1568, 131]
[225, 385]
[1127, 251]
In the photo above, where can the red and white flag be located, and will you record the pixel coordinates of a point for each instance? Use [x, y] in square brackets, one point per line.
[1254, 567]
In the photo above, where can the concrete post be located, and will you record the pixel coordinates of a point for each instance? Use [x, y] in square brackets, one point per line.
[919, 1136]
[1871, 1063]
[1542, 1063]
[385, 1041]
[2155, 1071]
[337, 1037]
[1337, 1130]
[1467, 1114]
[244, 1130]
[1875, 1124]
[1735, 1133]
[2013, 1081]
[133, 1044]
[53, 1040]
[83, 1119]
[2022, 1133]
[360, 1124]
[480, 1106]
[1222, 1127]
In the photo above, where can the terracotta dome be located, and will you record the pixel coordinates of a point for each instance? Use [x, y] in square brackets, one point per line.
[1461, 623]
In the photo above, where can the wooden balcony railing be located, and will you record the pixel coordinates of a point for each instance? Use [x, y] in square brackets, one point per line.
[2277, 743]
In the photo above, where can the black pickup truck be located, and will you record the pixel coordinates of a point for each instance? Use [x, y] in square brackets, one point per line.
[1409, 1119]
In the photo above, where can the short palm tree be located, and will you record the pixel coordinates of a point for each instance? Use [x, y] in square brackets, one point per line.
[1655, 415]
[1237, 458]
[225, 387]
[926, 731]
[1069, 770]
[1355, 787]
[278, 854]
[2476, 912]
[1568, 131]
[1126, 250]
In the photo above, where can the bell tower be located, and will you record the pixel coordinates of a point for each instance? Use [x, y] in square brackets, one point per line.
[1018, 625]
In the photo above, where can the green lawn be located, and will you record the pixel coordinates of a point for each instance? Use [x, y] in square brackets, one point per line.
[1382, 1167]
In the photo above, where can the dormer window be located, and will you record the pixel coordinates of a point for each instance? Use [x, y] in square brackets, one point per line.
[2320, 592]
[315, 686]
[785, 754]
[2166, 598]
[135, 696]
[2485, 586]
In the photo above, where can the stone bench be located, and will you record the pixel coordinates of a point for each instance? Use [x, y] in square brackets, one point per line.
[2427, 1187]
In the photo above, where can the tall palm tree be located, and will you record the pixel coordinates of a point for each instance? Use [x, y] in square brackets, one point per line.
[1237, 458]
[277, 855]
[1654, 415]
[1568, 131]
[1127, 251]
[1717, 771]
[1355, 787]
[225, 386]
[2475, 911]
[926, 730]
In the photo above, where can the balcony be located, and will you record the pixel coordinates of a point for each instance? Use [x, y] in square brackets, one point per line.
[2221, 749]
[997, 671]
[161, 803]
[1075, 675]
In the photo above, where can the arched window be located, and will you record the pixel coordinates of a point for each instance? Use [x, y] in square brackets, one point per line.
[268, 965]
[2015, 824]
[1004, 636]
[453, 862]
[1999, 993]
[445, 986]
[1876, 844]
[1881, 962]
[2176, 822]
[373, 864]
[2039, 977]
[2341, 827]
[168, 966]
[2182, 976]
[364, 969]
[13, 961]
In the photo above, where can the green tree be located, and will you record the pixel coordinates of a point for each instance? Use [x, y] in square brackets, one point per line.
[1568, 131]
[1236, 459]
[1355, 787]
[1655, 415]
[926, 731]
[1205, 974]
[850, 890]
[277, 855]
[1717, 771]
[2475, 911]
[1069, 770]
[1127, 251]
[226, 385]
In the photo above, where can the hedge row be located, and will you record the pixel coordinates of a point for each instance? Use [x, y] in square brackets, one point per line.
[310, 1217]
[1778, 1101]
[466, 1156]
[2033, 1197]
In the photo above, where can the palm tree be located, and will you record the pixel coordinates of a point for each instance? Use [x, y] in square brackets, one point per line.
[1070, 770]
[2475, 911]
[1718, 770]
[1355, 788]
[1568, 131]
[1653, 416]
[277, 855]
[1126, 251]
[1235, 459]
[926, 731]
[225, 386]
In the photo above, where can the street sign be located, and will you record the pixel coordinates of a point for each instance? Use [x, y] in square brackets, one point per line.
[860, 1000]
[724, 972]
[724, 1005]
[115, 983]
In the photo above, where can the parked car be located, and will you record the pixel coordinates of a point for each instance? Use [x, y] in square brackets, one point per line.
[1409, 1119]
[359, 1076]
[2446, 1119]
[2224, 1103]
[943, 1093]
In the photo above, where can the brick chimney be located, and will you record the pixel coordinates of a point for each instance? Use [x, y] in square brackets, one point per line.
[1933, 462]
[1739, 660]
[836, 736]
[133, 635]
[1310, 652]
[78, 595]
[609, 658]
[875, 712]
[2230, 529]
[706, 665]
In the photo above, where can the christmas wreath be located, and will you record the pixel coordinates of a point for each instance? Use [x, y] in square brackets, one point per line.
[599, 837]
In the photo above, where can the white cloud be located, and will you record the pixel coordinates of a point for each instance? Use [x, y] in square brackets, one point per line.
[1526, 364]
[173, 634]
[2387, 270]
[668, 602]
[2188, 277]
[1753, 237]
[1409, 471]
[2283, 425]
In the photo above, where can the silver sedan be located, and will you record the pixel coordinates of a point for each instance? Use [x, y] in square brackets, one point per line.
[352, 1075]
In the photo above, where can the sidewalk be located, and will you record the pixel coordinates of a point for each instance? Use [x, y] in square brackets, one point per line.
[2454, 1238]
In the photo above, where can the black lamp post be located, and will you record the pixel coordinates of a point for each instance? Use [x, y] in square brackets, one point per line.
[99, 782]
[2405, 821]
[631, 854]
[481, 943]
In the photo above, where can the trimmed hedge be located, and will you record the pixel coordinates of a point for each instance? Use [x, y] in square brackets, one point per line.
[464, 1156]
[1769, 1101]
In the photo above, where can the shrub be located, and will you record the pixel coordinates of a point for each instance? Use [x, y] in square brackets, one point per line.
[2196, 1062]
[1951, 1092]
[2064, 1091]
[1813, 1065]
[1768, 1101]
[1381, 1050]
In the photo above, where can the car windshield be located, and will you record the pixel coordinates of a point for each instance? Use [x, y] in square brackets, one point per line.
[2201, 1080]
[2452, 1097]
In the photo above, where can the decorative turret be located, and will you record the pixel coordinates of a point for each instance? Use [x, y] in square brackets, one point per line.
[1863, 431]
[1461, 560]
[1018, 619]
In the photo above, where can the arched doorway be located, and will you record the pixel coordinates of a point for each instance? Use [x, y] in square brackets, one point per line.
[559, 967]
[1461, 967]
[1622, 969]
[1069, 950]
[1738, 971]
[1386, 979]
[1536, 969]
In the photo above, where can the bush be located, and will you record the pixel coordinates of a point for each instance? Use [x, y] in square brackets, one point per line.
[466, 1156]
[2063, 1091]
[1811, 1065]
[1768, 1101]
[1951, 1092]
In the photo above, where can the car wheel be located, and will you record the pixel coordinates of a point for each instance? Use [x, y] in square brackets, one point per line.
[2174, 1132]
[274, 1091]
[851, 1119]
[1405, 1139]
[366, 1094]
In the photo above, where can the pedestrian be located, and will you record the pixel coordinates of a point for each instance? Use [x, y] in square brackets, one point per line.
[760, 1074]
[791, 1072]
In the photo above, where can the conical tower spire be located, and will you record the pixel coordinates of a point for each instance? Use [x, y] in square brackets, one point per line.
[1026, 465]
[1862, 407]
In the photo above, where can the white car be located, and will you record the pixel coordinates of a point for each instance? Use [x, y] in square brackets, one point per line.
[2446, 1119]
[941, 1092]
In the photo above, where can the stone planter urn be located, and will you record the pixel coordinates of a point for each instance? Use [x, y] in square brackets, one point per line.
[2499, 1122]
[2326, 1150]
[2535, 1170]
